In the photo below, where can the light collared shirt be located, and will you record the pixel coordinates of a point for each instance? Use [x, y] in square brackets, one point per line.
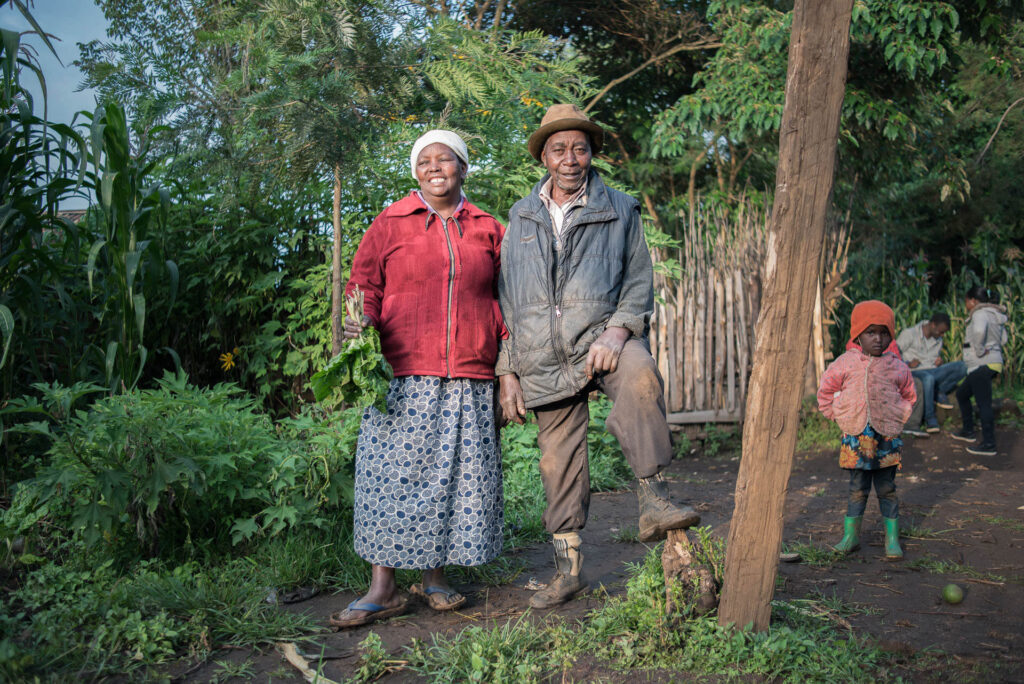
[914, 346]
[561, 214]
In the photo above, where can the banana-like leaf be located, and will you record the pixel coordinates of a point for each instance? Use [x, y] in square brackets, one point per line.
[7, 330]
[172, 271]
[10, 43]
[90, 265]
[143, 354]
[139, 302]
[174, 357]
[107, 189]
[131, 263]
[111, 358]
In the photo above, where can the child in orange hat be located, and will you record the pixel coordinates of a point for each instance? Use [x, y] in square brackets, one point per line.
[869, 393]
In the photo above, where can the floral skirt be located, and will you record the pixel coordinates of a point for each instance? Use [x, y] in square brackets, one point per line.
[428, 488]
[869, 451]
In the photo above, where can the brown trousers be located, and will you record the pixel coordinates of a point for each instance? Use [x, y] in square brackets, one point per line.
[637, 421]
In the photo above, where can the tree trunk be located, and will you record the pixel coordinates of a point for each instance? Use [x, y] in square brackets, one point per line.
[337, 287]
[818, 51]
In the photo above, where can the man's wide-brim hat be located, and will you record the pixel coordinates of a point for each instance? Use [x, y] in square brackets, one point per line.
[564, 117]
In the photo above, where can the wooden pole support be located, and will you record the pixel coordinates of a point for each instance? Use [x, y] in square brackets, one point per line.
[818, 52]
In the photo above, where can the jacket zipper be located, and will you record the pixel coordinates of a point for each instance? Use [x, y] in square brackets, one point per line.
[867, 397]
[451, 288]
[556, 321]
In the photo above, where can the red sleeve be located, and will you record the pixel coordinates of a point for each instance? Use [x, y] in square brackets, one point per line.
[497, 271]
[368, 269]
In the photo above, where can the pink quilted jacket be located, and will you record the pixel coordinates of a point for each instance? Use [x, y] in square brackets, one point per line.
[858, 389]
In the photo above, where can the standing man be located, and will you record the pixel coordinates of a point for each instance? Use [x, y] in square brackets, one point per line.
[921, 347]
[576, 292]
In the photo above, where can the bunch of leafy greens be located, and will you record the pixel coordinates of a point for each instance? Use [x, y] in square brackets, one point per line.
[359, 372]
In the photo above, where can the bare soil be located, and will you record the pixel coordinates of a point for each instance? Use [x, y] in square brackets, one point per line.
[961, 510]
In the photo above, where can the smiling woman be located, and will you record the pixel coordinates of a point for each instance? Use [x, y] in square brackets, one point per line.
[428, 490]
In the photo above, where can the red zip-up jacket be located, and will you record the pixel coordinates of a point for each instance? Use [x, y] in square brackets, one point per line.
[431, 288]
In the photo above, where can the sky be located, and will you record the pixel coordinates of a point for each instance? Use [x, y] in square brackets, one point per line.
[72, 22]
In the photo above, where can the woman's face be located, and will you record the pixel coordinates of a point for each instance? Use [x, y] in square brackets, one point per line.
[439, 172]
[970, 303]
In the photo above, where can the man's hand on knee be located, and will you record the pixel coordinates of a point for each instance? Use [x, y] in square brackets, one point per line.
[603, 356]
[510, 397]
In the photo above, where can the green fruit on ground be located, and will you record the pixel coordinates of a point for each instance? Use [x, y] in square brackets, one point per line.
[951, 593]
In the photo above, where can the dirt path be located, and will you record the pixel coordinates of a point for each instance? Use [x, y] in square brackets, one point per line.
[965, 515]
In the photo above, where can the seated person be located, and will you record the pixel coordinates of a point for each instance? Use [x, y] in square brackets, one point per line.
[921, 348]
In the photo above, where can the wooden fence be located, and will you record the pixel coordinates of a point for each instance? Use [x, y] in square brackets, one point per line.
[702, 332]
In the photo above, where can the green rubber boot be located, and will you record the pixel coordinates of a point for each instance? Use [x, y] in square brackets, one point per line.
[892, 539]
[851, 535]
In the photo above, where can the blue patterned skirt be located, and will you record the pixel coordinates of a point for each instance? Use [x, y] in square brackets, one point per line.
[428, 490]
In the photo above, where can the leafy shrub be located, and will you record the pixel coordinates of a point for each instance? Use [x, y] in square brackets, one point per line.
[96, 621]
[178, 469]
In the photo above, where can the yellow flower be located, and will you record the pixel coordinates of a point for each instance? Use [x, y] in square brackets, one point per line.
[227, 359]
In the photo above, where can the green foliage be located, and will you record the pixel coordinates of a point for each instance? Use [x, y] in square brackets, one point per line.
[816, 431]
[179, 471]
[514, 651]
[127, 209]
[67, 620]
[720, 440]
[358, 374]
[633, 632]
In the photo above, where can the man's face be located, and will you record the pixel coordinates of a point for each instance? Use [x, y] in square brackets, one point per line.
[567, 156]
[936, 330]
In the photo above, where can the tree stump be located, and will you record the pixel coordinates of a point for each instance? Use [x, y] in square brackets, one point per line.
[687, 579]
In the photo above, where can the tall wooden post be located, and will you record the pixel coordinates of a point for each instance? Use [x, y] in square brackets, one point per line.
[818, 52]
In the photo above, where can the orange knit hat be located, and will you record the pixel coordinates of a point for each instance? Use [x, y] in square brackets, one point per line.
[871, 312]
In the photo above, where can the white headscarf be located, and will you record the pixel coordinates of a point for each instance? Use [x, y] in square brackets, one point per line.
[452, 140]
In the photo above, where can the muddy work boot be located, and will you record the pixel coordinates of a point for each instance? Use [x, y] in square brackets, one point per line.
[658, 515]
[568, 580]
[892, 539]
[851, 535]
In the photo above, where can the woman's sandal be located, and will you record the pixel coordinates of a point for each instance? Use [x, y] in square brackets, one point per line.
[375, 612]
[432, 595]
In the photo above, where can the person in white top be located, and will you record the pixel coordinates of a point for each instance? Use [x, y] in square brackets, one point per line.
[921, 348]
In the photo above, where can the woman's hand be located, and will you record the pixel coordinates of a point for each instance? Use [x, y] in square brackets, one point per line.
[513, 406]
[354, 328]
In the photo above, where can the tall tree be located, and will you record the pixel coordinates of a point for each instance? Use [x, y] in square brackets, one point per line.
[818, 53]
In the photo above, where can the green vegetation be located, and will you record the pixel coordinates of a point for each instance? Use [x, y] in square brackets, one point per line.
[633, 632]
[163, 467]
[943, 567]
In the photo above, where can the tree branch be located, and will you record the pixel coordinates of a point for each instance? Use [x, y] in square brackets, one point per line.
[998, 126]
[701, 45]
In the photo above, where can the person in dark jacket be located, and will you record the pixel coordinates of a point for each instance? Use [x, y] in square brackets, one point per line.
[576, 294]
[428, 485]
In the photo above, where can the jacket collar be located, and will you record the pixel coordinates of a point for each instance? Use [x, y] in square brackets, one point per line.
[597, 209]
[411, 204]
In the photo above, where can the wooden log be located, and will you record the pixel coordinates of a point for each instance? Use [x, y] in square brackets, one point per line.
[690, 587]
[709, 340]
[730, 344]
[689, 352]
[671, 362]
[742, 337]
[677, 360]
[818, 52]
[720, 341]
[705, 416]
[699, 329]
